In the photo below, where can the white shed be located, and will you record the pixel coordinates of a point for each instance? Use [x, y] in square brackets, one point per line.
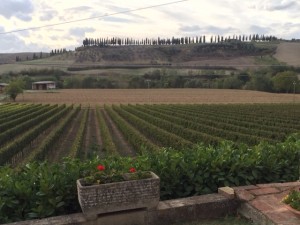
[2, 86]
[43, 85]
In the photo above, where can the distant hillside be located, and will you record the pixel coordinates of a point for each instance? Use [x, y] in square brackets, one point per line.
[227, 65]
[174, 54]
[89, 60]
[6, 58]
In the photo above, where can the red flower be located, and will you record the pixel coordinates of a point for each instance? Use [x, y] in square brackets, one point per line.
[101, 167]
[132, 170]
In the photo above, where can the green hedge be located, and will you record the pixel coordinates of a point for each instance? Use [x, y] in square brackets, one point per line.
[40, 190]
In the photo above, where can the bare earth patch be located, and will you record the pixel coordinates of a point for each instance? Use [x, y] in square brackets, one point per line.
[242, 62]
[154, 96]
[289, 52]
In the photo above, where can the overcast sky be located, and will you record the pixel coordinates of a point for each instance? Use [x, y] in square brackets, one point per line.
[188, 18]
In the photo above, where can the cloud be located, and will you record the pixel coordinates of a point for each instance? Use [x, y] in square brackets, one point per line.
[271, 5]
[80, 31]
[291, 30]
[221, 31]
[117, 8]
[192, 18]
[195, 29]
[23, 17]
[283, 6]
[12, 43]
[260, 30]
[192, 28]
[78, 9]
[48, 15]
[54, 38]
[122, 11]
[117, 19]
[21, 42]
[21, 9]
[176, 15]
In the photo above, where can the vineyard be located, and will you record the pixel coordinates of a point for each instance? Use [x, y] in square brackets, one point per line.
[194, 149]
[30, 132]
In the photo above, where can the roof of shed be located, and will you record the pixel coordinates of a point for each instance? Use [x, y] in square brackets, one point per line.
[44, 82]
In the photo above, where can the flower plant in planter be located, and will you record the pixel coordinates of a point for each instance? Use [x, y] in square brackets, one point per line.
[109, 191]
[293, 199]
[104, 176]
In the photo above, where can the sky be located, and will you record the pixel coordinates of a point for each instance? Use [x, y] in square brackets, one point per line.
[181, 18]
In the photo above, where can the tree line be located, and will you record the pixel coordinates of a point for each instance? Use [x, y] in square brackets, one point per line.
[33, 57]
[57, 51]
[280, 80]
[116, 41]
[40, 55]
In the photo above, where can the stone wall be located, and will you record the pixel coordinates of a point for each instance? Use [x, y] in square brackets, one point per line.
[167, 212]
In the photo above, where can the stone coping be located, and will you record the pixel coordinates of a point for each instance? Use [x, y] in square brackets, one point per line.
[167, 212]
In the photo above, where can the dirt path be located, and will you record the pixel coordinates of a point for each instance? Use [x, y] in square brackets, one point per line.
[92, 142]
[65, 143]
[122, 145]
[94, 97]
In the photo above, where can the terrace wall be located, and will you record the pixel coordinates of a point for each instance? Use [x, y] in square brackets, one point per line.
[168, 212]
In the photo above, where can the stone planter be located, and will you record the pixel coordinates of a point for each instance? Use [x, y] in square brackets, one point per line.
[119, 196]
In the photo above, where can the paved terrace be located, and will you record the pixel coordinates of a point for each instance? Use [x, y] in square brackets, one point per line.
[262, 204]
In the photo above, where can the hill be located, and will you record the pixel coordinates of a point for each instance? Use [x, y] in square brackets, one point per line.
[200, 54]
[235, 54]
[239, 55]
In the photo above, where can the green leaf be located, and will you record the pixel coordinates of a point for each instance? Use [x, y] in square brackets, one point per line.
[40, 193]
[60, 204]
[254, 173]
[32, 215]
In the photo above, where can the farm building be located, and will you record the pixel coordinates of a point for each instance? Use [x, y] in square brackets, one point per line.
[2, 86]
[43, 85]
